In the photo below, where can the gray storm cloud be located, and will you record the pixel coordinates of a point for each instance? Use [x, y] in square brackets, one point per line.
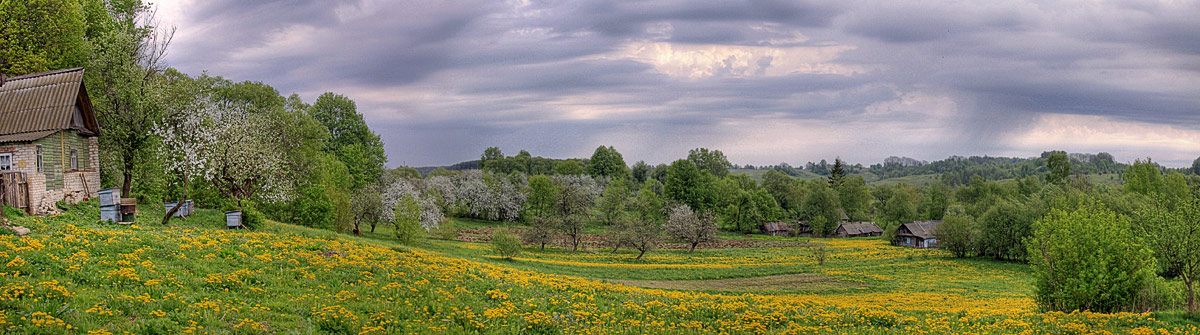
[765, 81]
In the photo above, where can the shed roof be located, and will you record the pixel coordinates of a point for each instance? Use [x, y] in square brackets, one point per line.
[42, 103]
[775, 226]
[861, 228]
[923, 229]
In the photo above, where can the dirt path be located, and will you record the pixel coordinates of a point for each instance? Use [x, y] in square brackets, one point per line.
[781, 283]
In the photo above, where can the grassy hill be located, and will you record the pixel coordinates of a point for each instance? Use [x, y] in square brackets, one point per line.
[76, 275]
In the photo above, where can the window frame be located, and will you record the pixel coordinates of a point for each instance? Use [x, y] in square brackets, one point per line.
[74, 160]
[9, 166]
[41, 165]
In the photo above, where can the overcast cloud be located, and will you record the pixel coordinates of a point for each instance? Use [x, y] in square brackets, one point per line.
[763, 81]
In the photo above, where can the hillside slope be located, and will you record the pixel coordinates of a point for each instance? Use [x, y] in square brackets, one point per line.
[77, 275]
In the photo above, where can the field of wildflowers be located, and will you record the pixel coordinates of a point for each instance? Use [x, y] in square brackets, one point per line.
[75, 275]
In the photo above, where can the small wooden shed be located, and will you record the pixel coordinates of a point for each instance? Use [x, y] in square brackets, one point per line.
[858, 229]
[776, 228]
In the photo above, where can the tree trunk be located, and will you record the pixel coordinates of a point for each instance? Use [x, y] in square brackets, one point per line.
[171, 213]
[372, 227]
[127, 186]
[693, 247]
[1191, 298]
[640, 255]
[543, 246]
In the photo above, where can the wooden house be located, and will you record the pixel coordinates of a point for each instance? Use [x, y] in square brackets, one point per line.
[48, 138]
[858, 229]
[776, 229]
[918, 234]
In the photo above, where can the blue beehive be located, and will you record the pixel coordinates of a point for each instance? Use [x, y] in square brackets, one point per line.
[110, 197]
[233, 219]
[110, 213]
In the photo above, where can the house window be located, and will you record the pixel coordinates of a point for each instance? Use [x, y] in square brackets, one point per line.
[40, 169]
[74, 159]
[6, 161]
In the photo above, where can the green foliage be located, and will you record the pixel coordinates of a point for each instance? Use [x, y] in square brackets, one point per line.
[936, 200]
[607, 162]
[12, 212]
[569, 168]
[640, 172]
[543, 195]
[1059, 167]
[821, 208]
[1003, 229]
[42, 35]
[540, 231]
[351, 140]
[1196, 166]
[251, 217]
[837, 174]
[784, 189]
[407, 221]
[957, 235]
[506, 244]
[1170, 230]
[1088, 259]
[853, 195]
[899, 207]
[713, 161]
[614, 200]
[688, 185]
[447, 229]
[649, 205]
[572, 212]
[1143, 177]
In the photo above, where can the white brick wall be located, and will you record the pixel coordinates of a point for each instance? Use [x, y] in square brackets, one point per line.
[73, 191]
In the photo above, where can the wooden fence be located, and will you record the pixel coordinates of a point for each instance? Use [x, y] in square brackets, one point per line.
[14, 191]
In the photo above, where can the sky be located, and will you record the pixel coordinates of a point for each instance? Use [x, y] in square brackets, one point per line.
[763, 81]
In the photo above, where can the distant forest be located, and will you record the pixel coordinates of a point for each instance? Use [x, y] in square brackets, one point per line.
[954, 170]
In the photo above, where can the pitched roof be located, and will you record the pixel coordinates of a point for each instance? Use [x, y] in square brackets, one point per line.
[923, 229]
[775, 226]
[861, 228]
[45, 102]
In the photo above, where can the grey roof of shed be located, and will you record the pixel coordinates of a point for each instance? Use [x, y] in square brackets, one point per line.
[861, 228]
[923, 229]
[38, 104]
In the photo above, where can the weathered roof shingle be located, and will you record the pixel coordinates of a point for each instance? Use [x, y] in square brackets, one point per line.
[45, 102]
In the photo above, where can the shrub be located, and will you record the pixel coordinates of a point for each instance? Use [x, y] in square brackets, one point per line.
[11, 212]
[506, 244]
[446, 230]
[1089, 260]
[407, 220]
[957, 235]
[820, 254]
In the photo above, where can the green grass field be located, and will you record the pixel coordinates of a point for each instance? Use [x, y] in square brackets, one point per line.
[76, 275]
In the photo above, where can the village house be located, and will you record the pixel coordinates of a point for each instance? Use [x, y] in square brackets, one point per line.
[858, 229]
[918, 234]
[48, 139]
[776, 229]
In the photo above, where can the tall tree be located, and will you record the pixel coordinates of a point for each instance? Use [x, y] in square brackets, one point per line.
[693, 228]
[568, 167]
[614, 200]
[1196, 166]
[688, 185]
[1173, 232]
[607, 162]
[574, 204]
[854, 196]
[350, 138]
[542, 196]
[125, 76]
[1060, 167]
[640, 172]
[713, 161]
[837, 175]
[42, 35]
[1143, 177]
[820, 209]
